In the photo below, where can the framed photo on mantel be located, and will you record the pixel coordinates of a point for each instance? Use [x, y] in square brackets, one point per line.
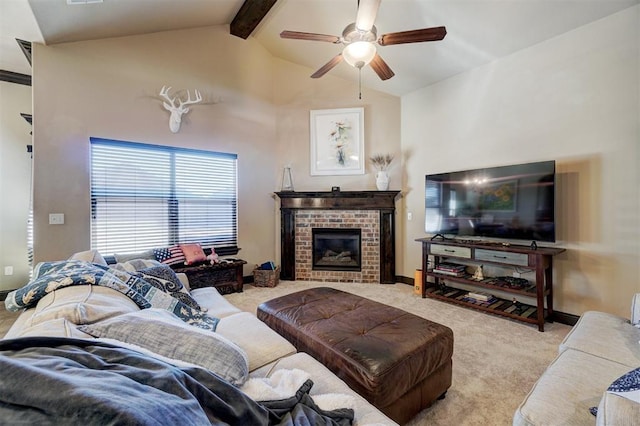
[337, 141]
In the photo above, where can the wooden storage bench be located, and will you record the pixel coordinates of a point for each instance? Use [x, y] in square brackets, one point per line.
[226, 277]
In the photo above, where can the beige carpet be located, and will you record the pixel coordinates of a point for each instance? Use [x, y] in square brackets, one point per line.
[496, 361]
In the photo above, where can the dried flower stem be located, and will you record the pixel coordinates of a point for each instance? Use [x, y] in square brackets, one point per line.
[381, 161]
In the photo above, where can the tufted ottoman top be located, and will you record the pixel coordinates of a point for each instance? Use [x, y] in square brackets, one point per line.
[380, 351]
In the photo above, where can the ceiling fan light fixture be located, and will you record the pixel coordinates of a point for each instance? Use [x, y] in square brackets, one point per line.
[359, 53]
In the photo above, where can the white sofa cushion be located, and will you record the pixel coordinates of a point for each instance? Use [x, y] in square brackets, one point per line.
[607, 336]
[615, 410]
[122, 258]
[82, 304]
[92, 256]
[324, 383]
[213, 302]
[58, 327]
[162, 332]
[573, 383]
[635, 310]
[262, 344]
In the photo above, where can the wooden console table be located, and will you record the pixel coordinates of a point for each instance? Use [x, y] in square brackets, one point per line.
[226, 277]
[539, 260]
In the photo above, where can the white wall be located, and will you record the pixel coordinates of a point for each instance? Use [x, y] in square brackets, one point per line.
[108, 88]
[295, 95]
[574, 99]
[15, 178]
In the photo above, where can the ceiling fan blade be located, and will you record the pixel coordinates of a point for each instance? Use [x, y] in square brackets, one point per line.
[367, 11]
[327, 67]
[297, 35]
[381, 68]
[413, 36]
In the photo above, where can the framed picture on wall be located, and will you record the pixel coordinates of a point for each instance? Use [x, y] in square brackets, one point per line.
[337, 141]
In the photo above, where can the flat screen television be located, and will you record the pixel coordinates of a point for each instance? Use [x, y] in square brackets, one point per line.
[514, 202]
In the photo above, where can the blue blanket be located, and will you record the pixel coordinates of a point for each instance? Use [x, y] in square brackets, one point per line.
[61, 381]
[49, 276]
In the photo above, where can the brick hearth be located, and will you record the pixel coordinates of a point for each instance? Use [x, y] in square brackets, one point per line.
[371, 211]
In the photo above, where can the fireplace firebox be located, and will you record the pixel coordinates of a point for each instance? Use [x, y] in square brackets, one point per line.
[336, 249]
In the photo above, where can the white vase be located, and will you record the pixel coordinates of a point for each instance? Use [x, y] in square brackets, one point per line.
[287, 180]
[382, 180]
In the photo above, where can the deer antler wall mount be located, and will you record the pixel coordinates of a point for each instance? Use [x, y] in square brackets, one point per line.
[177, 111]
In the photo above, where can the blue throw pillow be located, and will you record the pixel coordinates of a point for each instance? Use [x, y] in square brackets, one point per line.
[165, 279]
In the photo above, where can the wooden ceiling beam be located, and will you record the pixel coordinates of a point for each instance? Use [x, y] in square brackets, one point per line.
[14, 77]
[25, 46]
[249, 16]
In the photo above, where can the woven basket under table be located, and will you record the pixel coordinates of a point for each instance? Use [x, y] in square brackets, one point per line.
[266, 277]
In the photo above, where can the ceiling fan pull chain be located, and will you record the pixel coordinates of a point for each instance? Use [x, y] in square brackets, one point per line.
[360, 83]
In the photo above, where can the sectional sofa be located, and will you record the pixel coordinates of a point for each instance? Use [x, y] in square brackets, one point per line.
[595, 379]
[85, 311]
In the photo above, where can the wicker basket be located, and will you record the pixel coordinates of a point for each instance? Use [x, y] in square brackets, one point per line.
[266, 277]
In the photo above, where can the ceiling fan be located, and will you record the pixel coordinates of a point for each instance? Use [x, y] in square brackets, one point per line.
[360, 37]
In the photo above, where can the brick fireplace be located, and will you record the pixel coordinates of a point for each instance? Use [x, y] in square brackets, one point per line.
[372, 213]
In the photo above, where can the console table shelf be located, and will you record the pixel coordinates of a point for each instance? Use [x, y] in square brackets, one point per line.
[539, 260]
[528, 291]
[503, 307]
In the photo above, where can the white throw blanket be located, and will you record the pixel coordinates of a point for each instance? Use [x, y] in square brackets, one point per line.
[282, 384]
[285, 383]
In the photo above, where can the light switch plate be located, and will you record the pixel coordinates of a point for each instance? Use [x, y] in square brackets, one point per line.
[56, 218]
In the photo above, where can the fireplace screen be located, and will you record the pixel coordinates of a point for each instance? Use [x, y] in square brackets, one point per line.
[336, 249]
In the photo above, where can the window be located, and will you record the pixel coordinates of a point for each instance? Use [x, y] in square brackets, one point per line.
[147, 196]
[433, 201]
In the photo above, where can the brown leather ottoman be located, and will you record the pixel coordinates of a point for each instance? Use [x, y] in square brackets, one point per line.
[399, 362]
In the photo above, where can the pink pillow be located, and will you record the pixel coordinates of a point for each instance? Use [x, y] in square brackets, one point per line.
[193, 253]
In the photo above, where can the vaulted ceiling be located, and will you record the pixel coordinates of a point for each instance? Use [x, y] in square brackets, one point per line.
[478, 31]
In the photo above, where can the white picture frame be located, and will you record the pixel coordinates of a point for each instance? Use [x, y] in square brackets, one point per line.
[337, 141]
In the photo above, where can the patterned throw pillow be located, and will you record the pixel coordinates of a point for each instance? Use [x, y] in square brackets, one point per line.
[169, 255]
[165, 279]
[159, 299]
[161, 332]
[193, 253]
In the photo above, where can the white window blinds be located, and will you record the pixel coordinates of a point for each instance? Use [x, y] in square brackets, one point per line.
[147, 196]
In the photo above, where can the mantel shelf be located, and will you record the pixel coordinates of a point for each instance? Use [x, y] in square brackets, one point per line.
[339, 200]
